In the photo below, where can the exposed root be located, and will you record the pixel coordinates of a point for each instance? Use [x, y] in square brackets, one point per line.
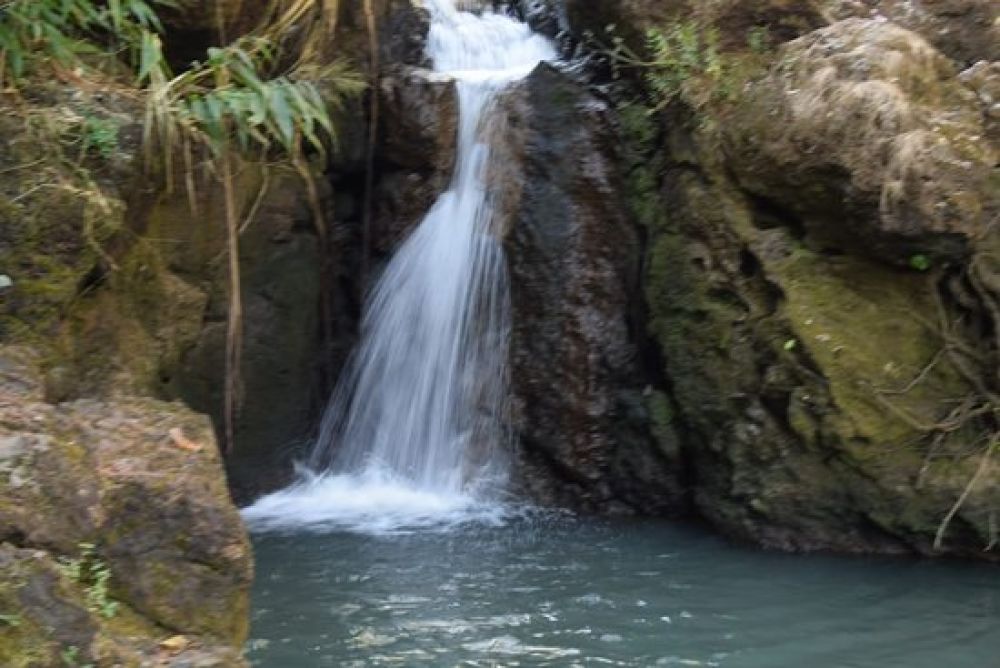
[975, 419]
[984, 463]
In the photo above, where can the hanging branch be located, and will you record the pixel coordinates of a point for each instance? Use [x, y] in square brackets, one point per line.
[228, 106]
[366, 240]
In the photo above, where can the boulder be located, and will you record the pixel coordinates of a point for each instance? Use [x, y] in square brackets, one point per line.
[582, 405]
[964, 30]
[419, 129]
[116, 528]
[863, 132]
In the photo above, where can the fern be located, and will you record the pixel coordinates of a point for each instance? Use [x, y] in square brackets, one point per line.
[682, 62]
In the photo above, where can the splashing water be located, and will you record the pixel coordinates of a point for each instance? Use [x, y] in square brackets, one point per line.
[413, 435]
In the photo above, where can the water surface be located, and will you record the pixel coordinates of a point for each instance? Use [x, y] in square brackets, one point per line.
[569, 592]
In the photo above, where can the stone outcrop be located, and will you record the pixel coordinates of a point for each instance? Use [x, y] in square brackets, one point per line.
[966, 31]
[416, 152]
[808, 286]
[118, 542]
[582, 407]
[863, 131]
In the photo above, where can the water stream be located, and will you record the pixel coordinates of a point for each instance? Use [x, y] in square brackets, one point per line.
[413, 434]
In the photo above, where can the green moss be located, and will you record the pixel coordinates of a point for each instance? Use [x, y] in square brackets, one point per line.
[865, 327]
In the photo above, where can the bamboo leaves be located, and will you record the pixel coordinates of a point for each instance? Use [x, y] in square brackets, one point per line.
[38, 33]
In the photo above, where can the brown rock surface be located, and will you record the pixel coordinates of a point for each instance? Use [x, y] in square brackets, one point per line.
[112, 475]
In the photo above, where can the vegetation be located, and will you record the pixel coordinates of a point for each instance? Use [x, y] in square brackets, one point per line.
[66, 35]
[71, 658]
[685, 61]
[90, 571]
[268, 96]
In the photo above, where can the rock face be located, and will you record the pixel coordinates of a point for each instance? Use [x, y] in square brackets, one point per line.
[581, 413]
[417, 150]
[820, 247]
[864, 132]
[283, 357]
[964, 30]
[139, 480]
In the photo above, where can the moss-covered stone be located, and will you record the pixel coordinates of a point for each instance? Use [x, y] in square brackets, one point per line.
[864, 132]
[140, 479]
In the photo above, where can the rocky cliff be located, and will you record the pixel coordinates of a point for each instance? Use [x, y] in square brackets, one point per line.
[821, 272]
[759, 278]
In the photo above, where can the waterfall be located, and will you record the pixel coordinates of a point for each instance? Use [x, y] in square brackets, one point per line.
[413, 434]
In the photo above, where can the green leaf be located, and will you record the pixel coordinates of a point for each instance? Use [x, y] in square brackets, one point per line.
[150, 55]
[920, 262]
[282, 114]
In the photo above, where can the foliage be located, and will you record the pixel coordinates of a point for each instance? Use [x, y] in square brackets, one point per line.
[685, 62]
[677, 56]
[62, 34]
[227, 103]
[759, 39]
[681, 54]
[100, 135]
[71, 658]
[10, 620]
[920, 262]
[90, 571]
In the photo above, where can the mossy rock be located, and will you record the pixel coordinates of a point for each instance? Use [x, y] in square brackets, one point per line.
[863, 132]
[781, 358]
[140, 479]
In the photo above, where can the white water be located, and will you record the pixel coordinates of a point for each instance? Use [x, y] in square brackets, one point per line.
[413, 435]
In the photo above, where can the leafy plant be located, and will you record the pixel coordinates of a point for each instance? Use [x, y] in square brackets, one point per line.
[60, 34]
[920, 262]
[681, 54]
[100, 135]
[10, 620]
[685, 61]
[71, 658]
[759, 39]
[90, 571]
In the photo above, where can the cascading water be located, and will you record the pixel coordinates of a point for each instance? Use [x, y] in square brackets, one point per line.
[413, 434]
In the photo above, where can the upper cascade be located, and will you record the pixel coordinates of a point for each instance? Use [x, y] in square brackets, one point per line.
[485, 46]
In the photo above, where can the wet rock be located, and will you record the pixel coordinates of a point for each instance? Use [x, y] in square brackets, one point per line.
[417, 152]
[404, 35]
[580, 414]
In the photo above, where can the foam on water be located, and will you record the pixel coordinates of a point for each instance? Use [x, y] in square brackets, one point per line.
[414, 433]
[369, 502]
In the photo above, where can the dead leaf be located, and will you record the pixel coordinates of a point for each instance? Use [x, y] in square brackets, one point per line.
[183, 442]
[175, 644]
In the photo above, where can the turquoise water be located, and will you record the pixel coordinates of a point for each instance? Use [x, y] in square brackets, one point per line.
[568, 592]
